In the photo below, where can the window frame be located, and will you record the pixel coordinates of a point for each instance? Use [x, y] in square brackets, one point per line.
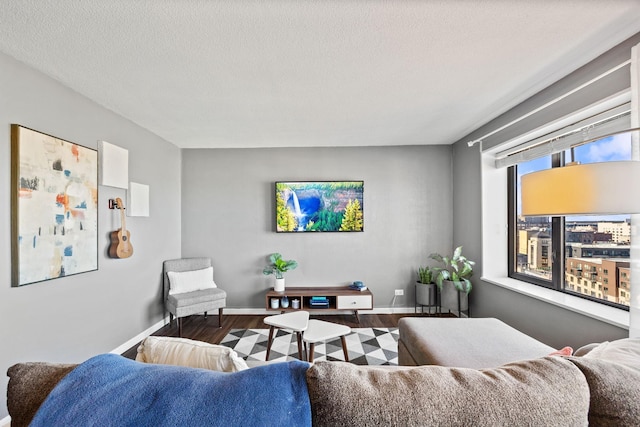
[557, 282]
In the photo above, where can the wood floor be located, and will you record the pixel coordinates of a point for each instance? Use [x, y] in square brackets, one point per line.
[207, 330]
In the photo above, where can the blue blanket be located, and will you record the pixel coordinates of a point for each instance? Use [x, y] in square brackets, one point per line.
[110, 390]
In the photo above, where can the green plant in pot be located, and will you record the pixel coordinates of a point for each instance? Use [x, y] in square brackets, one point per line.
[278, 266]
[453, 279]
[425, 288]
[425, 275]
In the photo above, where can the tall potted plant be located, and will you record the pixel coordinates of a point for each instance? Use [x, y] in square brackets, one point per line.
[425, 288]
[278, 266]
[453, 280]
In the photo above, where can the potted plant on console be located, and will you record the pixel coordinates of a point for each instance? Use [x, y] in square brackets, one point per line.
[425, 288]
[278, 267]
[453, 280]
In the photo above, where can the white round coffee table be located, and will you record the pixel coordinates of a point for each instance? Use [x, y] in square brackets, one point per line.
[318, 331]
[295, 321]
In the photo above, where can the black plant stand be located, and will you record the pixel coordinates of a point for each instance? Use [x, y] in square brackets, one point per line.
[468, 310]
[432, 304]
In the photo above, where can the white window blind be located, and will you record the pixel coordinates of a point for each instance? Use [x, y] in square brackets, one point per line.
[595, 127]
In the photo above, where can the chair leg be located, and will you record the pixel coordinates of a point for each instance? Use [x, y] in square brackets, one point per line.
[171, 319]
[205, 314]
[180, 327]
[220, 317]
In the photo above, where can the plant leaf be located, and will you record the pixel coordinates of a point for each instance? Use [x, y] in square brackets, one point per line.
[436, 257]
[274, 258]
[468, 286]
[466, 270]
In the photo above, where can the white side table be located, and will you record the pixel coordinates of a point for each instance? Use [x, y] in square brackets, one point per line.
[295, 321]
[318, 331]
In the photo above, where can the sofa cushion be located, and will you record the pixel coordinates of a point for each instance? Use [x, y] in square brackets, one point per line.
[546, 391]
[29, 385]
[190, 353]
[196, 297]
[615, 392]
[477, 343]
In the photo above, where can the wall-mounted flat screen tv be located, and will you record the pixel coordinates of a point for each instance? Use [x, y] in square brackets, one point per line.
[308, 206]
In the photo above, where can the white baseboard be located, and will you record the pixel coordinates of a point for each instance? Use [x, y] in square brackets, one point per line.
[378, 310]
[391, 310]
[142, 335]
[253, 311]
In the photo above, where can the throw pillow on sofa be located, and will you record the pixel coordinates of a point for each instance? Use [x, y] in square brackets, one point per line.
[625, 351]
[189, 353]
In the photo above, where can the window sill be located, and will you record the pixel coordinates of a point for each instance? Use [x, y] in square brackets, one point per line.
[611, 315]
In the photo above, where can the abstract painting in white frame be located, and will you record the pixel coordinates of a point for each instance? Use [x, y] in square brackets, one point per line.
[54, 207]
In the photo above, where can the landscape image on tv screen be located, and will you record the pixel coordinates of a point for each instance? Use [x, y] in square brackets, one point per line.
[309, 206]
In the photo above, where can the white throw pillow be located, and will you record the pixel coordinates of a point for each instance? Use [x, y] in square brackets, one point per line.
[625, 351]
[190, 353]
[189, 281]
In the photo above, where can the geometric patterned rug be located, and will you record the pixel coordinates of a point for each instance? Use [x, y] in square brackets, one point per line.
[366, 346]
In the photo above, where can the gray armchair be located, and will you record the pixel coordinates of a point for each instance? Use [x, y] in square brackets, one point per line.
[195, 302]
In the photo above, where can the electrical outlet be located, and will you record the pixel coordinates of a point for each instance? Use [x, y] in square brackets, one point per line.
[399, 292]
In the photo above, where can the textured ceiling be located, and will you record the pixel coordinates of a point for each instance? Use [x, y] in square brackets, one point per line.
[311, 73]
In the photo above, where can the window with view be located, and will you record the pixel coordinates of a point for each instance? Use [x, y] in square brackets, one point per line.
[586, 255]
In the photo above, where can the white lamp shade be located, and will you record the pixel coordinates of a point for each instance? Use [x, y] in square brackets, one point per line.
[596, 188]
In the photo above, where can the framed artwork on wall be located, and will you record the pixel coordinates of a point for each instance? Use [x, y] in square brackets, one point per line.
[114, 165]
[319, 206]
[54, 207]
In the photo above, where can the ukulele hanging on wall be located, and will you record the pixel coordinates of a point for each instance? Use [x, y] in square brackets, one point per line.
[120, 240]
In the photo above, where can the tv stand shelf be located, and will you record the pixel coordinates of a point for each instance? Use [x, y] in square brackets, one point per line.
[340, 298]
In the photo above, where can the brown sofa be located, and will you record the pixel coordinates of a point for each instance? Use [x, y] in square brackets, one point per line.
[601, 388]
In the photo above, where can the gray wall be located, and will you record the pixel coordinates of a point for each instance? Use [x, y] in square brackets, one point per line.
[228, 214]
[554, 325]
[467, 212]
[73, 318]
